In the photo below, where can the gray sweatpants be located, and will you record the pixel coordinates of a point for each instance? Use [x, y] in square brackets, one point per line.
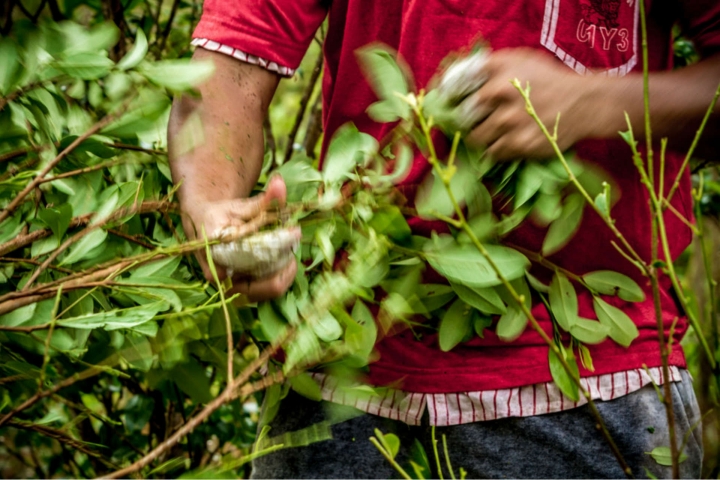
[557, 445]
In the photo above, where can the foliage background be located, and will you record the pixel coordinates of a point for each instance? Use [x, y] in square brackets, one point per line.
[135, 404]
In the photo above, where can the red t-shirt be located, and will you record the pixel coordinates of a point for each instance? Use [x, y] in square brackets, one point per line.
[598, 35]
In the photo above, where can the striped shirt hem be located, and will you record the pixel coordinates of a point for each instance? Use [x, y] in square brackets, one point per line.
[445, 409]
[242, 56]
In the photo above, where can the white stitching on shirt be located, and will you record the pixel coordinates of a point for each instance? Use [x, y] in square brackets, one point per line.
[242, 56]
[446, 409]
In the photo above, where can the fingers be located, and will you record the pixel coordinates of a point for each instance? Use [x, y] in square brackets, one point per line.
[247, 208]
[269, 287]
[488, 131]
[202, 260]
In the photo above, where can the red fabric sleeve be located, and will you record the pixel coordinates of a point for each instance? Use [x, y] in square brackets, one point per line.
[700, 21]
[276, 30]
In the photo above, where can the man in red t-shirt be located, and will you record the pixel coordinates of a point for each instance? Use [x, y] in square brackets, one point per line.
[494, 400]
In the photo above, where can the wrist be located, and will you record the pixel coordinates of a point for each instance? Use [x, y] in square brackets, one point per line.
[597, 120]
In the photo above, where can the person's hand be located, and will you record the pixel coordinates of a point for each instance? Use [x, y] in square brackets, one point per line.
[501, 121]
[235, 217]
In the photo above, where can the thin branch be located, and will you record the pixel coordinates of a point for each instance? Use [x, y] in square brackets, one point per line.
[131, 238]
[43, 293]
[62, 437]
[168, 26]
[33, 262]
[92, 168]
[270, 138]
[540, 260]
[17, 153]
[696, 140]
[14, 378]
[14, 170]
[84, 375]
[43, 173]
[680, 216]
[307, 95]
[150, 151]
[226, 313]
[51, 258]
[24, 240]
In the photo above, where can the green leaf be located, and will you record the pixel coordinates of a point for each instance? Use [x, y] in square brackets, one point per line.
[563, 301]
[305, 348]
[393, 308]
[306, 386]
[629, 138]
[563, 229]
[18, 316]
[137, 352]
[117, 85]
[144, 116]
[11, 228]
[178, 75]
[116, 319]
[586, 358]
[529, 182]
[455, 325]
[390, 221]
[465, 265]
[43, 246]
[85, 66]
[420, 461]
[403, 163]
[536, 284]
[79, 39]
[10, 66]
[84, 248]
[271, 324]
[388, 81]
[108, 201]
[145, 295]
[137, 52]
[622, 329]
[160, 268]
[327, 328]
[299, 170]
[607, 282]
[191, 377]
[547, 208]
[589, 331]
[434, 296]
[602, 200]
[348, 148]
[57, 219]
[432, 197]
[484, 299]
[389, 441]
[511, 324]
[663, 456]
[480, 323]
[360, 333]
[385, 111]
[323, 239]
[137, 412]
[565, 382]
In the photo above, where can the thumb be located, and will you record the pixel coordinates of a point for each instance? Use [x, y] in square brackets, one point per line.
[275, 191]
[248, 208]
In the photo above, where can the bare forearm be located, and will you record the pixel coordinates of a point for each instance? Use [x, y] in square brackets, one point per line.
[216, 141]
[678, 102]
